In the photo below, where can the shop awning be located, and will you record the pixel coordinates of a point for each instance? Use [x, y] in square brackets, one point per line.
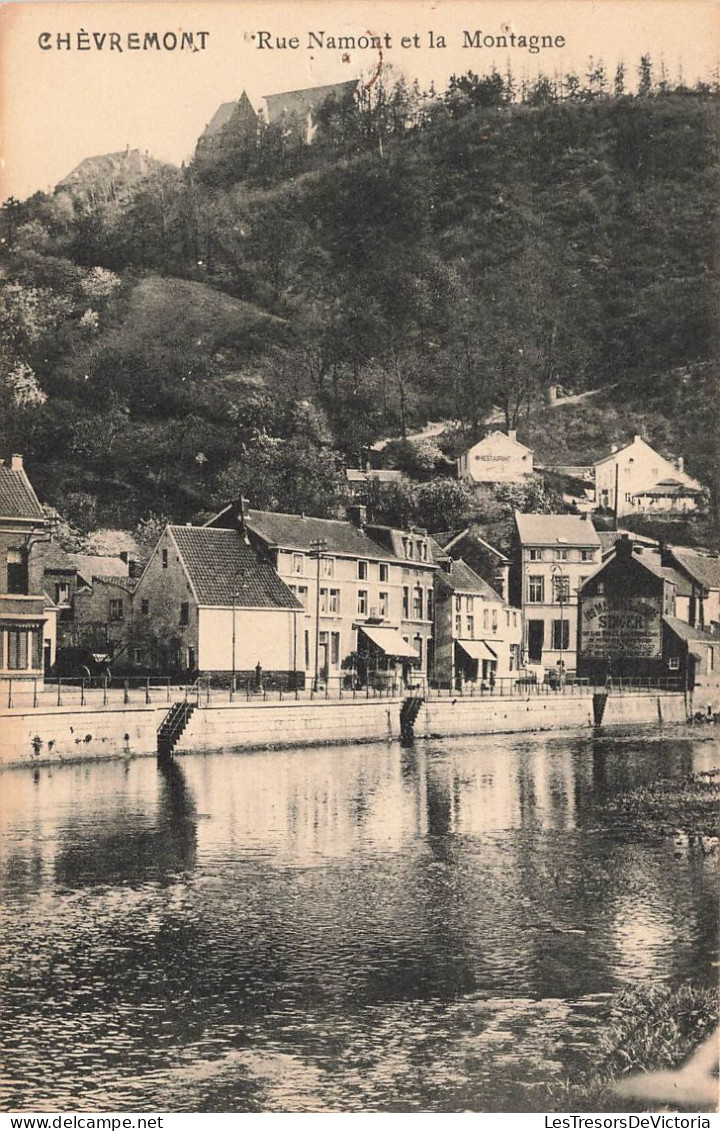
[389, 641]
[477, 649]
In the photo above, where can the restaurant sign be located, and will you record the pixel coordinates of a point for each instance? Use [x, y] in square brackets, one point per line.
[621, 626]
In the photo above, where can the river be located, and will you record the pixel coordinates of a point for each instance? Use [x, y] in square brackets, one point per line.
[352, 928]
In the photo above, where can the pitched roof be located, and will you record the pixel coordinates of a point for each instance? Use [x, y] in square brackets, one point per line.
[17, 498]
[225, 571]
[242, 111]
[668, 487]
[445, 537]
[687, 632]
[553, 529]
[298, 532]
[394, 541]
[53, 557]
[98, 565]
[608, 538]
[300, 101]
[701, 567]
[462, 579]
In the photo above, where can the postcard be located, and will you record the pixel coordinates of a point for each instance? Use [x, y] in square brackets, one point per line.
[359, 575]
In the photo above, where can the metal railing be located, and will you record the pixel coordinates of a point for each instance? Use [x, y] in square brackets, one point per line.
[117, 691]
[18, 693]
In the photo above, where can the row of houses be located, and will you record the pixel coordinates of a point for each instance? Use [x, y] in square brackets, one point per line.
[296, 600]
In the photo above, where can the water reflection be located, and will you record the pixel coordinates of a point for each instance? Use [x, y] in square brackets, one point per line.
[274, 931]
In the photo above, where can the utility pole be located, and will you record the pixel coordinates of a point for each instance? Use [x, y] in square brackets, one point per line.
[239, 582]
[560, 578]
[319, 545]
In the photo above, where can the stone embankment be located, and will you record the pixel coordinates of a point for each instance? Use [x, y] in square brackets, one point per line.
[48, 735]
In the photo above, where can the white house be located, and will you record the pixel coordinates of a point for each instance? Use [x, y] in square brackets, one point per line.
[643, 481]
[498, 458]
[208, 602]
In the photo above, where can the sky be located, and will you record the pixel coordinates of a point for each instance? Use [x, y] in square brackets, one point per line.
[59, 106]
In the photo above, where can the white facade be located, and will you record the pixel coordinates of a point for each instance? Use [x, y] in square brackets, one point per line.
[262, 636]
[499, 458]
[636, 469]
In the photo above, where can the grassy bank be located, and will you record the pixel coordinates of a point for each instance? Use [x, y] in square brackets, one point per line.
[642, 1031]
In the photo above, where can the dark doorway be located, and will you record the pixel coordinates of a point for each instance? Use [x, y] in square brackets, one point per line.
[536, 639]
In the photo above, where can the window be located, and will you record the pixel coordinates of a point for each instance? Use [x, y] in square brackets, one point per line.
[144, 606]
[383, 571]
[116, 608]
[62, 593]
[409, 549]
[711, 659]
[17, 649]
[307, 649]
[164, 559]
[674, 663]
[536, 590]
[362, 571]
[184, 613]
[458, 604]
[560, 634]
[137, 655]
[561, 555]
[586, 555]
[535, 555]
[470, 627]
[485, 619]
[422, 546]
[418, 642]
[382, 604]
[334, 601]
[362, 602]
[430, 605]
[417, 603]
[335, 649]
[507, 618]
[469, 603]
[406, 601]
[298, 563]
[327, 567]
[323, 600]
[494, 620]
[458, 626]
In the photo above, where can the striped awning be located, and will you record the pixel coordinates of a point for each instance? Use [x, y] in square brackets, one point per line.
[477, 649]
[389, 641]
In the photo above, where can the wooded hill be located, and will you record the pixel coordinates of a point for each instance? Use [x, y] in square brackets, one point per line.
[253, 323]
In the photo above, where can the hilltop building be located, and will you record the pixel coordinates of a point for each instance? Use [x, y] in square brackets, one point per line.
[296, 110]
[498, 458]
[109, 176]
[232, 123]
[635, 479]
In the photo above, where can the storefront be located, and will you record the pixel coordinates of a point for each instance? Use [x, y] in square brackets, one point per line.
[475, 662]
[386, 659]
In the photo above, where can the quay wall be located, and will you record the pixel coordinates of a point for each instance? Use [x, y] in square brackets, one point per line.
[64, 734]
[50, 735]
[290, 724]
[440, 717]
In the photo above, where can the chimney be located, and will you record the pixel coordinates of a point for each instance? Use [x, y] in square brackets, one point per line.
[613, 449]
[357, 514]
[636, 437]
[16, 462]
[512, 434]
[681, 464]
[624, 546]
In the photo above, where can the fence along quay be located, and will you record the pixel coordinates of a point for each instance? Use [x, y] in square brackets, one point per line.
[70, 720]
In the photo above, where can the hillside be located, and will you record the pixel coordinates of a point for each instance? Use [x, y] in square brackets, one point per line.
[221, 327]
